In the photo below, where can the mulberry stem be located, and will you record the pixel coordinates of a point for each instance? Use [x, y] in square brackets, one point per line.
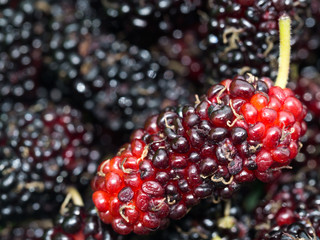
[285, 51]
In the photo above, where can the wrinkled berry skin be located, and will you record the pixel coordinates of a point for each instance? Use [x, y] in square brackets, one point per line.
[241, 130]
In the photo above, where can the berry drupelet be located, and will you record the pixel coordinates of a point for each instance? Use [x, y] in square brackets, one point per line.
[120, 84]
[210, 220]
[75, 222]
[307, 88]
[243, 129]
[22, 40]
[184, 155]
[243, 35]
[291, 210]
[43, 148]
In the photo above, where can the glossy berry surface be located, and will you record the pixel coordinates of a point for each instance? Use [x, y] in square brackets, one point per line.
[241, 130]
[145, 21]
[118, 83]
[79, 223]
[291, 210]
[43, 148]
[22, 39]
[210, 220]
[307, 88]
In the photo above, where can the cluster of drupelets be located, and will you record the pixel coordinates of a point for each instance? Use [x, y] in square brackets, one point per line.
[172, 119]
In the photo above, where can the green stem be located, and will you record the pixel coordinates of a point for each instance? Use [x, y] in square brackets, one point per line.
[285, 51]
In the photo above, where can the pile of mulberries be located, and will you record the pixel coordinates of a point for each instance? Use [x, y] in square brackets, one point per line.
[173, 119]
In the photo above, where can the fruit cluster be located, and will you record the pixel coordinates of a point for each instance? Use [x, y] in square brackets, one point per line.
[183, 155]
[103, 134]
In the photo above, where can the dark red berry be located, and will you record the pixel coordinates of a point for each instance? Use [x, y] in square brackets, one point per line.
[43, 148]
[191, 152]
